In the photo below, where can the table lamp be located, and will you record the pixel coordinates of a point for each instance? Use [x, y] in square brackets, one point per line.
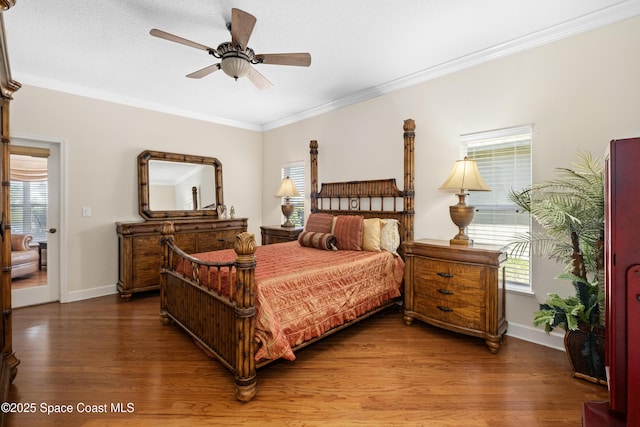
[464, 177]
[287, 190]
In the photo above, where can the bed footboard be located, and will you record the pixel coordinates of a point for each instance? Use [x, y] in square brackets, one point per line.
[220, 319]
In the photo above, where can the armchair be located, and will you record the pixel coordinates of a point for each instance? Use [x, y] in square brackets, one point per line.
[24, 259]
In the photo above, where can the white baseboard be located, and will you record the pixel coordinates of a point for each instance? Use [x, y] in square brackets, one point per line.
[90, 293]
[538, 336]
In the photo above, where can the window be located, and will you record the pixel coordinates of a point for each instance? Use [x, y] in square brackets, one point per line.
[28, 196]
[295, 172]
[504, 161]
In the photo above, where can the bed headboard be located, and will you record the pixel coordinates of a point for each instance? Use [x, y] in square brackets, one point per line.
[379, 198]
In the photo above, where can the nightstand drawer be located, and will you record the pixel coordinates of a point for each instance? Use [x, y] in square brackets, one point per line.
[446, 273]
[276, 234]
[450, 292]
[453, 312]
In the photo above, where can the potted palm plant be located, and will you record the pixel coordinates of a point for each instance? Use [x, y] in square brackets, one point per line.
[570, 212]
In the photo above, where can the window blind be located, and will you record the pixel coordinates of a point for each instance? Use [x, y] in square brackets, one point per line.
[295, 172]
[28, 191]
[29, 208]
[504, 162]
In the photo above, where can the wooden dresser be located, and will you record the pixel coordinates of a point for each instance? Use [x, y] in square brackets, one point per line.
[139, 252]
[278, 234]
[458, 288]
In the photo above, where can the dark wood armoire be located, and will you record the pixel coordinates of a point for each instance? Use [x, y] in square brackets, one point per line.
[622, 260]
[7, 88]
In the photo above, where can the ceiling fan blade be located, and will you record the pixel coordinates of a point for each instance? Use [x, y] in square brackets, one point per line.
[173, 38]
[297, 59]
[204, 72]
[258, 79]
[242, 24]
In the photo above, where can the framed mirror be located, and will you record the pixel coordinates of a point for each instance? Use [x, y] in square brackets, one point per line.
[176, 186]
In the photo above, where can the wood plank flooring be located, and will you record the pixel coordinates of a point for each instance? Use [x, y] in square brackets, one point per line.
[109, 354]
[39, 278]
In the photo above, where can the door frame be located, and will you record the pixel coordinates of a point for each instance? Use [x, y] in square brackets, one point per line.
[59, 270]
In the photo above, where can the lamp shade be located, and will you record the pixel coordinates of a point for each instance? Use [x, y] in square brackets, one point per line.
[465, 176]
[287, 188]
[235, 66]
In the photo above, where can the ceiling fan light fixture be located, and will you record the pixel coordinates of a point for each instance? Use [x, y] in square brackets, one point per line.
[235, 66]
[236, 58]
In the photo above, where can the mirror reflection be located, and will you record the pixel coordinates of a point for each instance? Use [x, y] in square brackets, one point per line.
[180, 186]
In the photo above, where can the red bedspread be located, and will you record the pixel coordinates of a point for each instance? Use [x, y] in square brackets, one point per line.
[303, 292]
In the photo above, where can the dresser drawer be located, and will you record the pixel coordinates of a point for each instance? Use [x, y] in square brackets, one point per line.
[216, 240]
[447, 273]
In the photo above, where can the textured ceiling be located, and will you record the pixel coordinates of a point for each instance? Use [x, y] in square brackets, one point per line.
[359, 48]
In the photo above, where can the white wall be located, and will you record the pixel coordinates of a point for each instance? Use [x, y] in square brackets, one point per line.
[102, 141]
[578, 93]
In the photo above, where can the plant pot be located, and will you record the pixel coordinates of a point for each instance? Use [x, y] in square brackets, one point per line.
[585, 350]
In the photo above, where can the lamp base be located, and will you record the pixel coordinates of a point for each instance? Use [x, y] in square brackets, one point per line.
[287, 211]
[461, 242]
[461, 215]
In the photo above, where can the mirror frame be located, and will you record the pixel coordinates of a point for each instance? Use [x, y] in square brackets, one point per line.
[143, 184]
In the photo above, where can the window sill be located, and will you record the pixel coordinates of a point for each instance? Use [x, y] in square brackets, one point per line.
[519, 290]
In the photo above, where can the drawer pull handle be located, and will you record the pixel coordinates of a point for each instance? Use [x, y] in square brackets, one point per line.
[221, 239]
[445, 309]
[447, 275]
[445, 292]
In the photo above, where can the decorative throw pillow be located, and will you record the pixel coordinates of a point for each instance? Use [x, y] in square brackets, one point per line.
[319, 223]
[349, 230]
[390, 235]
[312, 239]
[371, 236]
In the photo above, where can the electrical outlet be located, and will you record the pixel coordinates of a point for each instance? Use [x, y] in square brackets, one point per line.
[86, 211]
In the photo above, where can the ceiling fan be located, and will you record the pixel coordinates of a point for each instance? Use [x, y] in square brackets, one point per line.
[236, 58]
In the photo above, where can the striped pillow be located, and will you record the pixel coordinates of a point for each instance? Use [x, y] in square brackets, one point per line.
[312, 239]
[349, 230]
[319, 223]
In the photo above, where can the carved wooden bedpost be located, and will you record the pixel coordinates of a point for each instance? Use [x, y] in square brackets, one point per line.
[409, 175]
[245, 369]
[313, 152]
[166, 232]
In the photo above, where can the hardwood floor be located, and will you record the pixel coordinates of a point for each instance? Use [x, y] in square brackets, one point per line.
[39, 278]
[380, 372]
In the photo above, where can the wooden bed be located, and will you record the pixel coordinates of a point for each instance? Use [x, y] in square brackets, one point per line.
[214, 299]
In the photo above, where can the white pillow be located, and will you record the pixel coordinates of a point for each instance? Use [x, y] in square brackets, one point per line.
[390, 235]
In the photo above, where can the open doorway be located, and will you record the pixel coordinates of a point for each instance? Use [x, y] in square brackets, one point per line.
[28, 200]
[34, 207]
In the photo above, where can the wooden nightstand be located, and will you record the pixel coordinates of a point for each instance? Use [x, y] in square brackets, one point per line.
[277, 234]
[458, 288]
